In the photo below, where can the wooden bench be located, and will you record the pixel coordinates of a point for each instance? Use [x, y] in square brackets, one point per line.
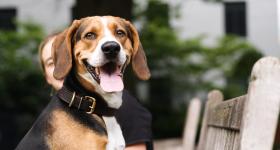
[247, 122]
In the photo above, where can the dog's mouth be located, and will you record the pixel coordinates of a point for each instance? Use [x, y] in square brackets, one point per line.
[109, 75]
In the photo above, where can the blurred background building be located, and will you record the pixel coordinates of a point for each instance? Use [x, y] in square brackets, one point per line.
[52, 15]
[192, 46]
[257, 21]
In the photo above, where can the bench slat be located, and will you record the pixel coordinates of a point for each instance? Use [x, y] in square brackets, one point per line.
[227, 114]
[221, 139]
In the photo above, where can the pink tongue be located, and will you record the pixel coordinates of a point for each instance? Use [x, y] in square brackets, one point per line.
[112, 82]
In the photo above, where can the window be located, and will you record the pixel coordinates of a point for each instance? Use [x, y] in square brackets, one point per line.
[7, 16]
[84, 8]
[235, 18]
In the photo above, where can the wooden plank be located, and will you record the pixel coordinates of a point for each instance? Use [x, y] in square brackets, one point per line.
[227, 114]
[214, 98]
[221, 139]
[211, 137]
[262, 106]
[168, 144]
[236, 142]
[191, 124]
[230, 134]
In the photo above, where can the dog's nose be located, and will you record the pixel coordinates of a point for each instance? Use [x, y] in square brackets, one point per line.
[111, 49]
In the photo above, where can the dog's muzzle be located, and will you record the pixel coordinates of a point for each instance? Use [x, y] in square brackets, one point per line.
[109, 76]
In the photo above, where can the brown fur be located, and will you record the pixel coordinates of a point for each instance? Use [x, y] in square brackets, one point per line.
[64, 133]
[62, 53]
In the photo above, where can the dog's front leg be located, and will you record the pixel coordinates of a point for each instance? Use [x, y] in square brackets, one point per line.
[115, 136]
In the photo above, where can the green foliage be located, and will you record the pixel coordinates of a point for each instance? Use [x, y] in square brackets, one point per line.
[19, 67]
[187, 62]
[182, 69]
[22, 90]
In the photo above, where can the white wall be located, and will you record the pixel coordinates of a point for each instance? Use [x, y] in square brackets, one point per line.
[200, 18]
[53, 15]
[263, 25]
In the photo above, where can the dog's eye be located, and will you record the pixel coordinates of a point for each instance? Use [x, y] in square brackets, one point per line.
[120, 33]
[90, 36]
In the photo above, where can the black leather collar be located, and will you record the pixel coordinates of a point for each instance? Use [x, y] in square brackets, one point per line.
[76, 96]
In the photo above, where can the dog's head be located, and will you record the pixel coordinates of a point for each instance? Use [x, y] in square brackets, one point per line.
[99, 49]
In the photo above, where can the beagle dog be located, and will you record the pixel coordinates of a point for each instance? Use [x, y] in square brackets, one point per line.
[91, 56]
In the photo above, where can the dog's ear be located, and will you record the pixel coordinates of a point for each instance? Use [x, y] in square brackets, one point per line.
[62, 51]
[139, 61]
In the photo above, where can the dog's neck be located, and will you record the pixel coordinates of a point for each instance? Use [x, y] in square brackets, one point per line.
[75, 95]
[72, 83]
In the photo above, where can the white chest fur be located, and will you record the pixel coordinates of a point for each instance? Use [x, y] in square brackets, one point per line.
[115, 136]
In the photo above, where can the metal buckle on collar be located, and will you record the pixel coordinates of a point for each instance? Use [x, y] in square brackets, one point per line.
[72, 99]
[92, 107]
